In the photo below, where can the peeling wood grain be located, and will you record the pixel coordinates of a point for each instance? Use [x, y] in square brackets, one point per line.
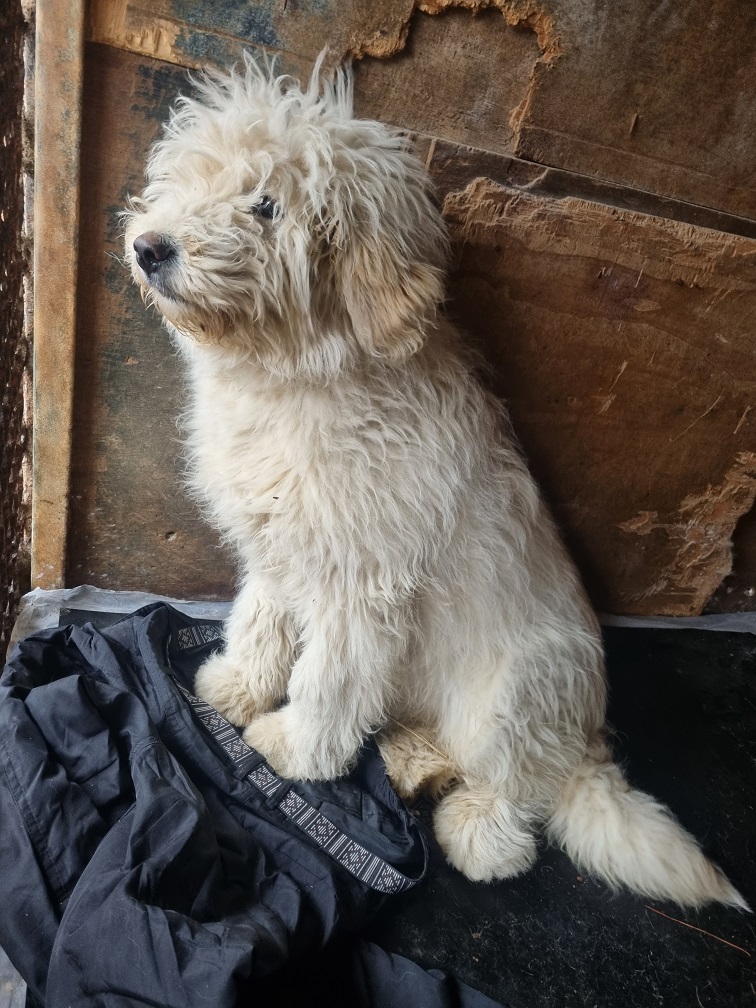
[200, 34]
[590, 102]
[517, 13]
[58, 85]
[456, 165]
[700, 536]
[181, 33]
[595, 323]
[161, 33]
[439, 86]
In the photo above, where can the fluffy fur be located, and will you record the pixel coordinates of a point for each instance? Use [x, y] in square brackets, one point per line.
[399, 567]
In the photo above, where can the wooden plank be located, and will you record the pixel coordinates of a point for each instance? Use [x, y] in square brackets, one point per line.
[198, 34]
[624, 346]
[132, 525]
[441, 84]
[648, 97]
[456, 166]
[623, 341]
[58, 80]
[655, 96]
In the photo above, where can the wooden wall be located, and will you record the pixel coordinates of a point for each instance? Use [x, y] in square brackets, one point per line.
[14, 347]
[595, 163]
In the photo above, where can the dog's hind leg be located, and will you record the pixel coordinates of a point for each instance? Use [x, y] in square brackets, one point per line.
[250, 676]
[414, 763]
[483, 834]
[487, 824]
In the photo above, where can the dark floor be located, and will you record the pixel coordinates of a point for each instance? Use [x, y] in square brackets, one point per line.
[683, 703]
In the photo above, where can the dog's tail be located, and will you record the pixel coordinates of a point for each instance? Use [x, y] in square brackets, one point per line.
[624, 836]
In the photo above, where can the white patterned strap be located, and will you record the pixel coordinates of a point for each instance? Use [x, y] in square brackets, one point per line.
[367, 867]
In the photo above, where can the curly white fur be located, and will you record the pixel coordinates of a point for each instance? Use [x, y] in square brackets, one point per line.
[399, 565]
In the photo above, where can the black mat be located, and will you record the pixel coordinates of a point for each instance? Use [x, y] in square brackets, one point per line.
[683, 703]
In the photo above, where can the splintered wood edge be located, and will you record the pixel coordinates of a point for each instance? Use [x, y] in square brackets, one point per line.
[58, 89]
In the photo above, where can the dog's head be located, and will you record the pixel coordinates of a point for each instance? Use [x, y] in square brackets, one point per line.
[276, 224]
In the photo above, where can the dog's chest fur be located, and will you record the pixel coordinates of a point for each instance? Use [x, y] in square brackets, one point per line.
[303, 470]
[358, 476]
[249, 451]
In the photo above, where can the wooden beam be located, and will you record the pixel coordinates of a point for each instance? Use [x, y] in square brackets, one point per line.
[58, 88]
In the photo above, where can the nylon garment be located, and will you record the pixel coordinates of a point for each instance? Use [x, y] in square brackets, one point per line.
[150, 857]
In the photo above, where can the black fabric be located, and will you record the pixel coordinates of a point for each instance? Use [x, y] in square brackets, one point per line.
[363, 975]
[150, 858]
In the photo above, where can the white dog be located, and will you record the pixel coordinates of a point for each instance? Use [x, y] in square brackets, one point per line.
[400, 570]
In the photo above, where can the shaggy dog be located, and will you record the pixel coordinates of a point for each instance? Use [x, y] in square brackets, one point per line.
[400, 571]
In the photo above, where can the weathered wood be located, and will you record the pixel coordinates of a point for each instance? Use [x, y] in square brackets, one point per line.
[616, 321]
[443, 85]
[643, 95]
[58, 86]
[455, 166]
[198, 34]
[132, 525]
[655, 96]
[624, 346]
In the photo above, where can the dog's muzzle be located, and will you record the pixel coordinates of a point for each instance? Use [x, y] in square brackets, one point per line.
[152, 253]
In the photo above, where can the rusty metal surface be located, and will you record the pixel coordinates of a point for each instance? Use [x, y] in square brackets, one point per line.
[59, 57]
[14, 349]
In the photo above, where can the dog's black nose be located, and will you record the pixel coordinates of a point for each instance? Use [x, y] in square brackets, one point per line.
[152, 252]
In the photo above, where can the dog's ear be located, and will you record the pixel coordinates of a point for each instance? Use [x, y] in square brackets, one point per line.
[391, 289]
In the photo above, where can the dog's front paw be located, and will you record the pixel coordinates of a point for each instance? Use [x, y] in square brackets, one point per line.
[293, 750]
[223, 685]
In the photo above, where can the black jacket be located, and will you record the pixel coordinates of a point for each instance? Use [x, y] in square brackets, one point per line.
[148, 855]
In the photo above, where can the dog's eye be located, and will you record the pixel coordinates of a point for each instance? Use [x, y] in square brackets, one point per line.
[266, 207]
